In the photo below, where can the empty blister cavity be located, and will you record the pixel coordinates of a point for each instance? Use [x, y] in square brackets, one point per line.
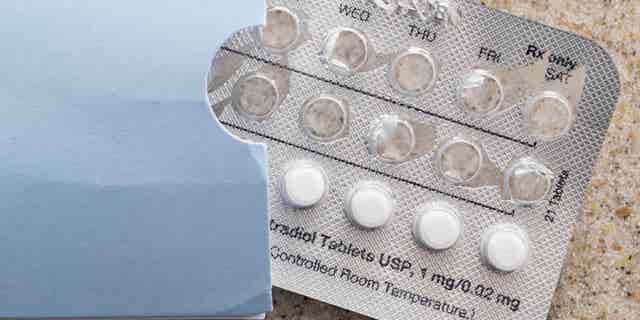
[481, 92]
[505, 247]
[437, 225]
[397, 139]
[413, 72]
[485, 91]
[304, 184]
[369, 205]
[527, 181]
[551, 113]
[392, 139]
[284, 30]
[460, 160]
[463, 161]
[257, 95]
[549, 116]
[347, 51]
[325, 118]
[254, 95]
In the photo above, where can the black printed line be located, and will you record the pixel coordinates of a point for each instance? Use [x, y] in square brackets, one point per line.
[380, 97]
[353, 164]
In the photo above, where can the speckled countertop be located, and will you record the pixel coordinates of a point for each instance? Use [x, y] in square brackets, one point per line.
[601, 279]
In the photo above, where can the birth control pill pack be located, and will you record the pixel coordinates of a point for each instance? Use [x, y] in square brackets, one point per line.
[428, 159]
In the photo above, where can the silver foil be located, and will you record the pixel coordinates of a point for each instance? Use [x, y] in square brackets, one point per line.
[385, 273]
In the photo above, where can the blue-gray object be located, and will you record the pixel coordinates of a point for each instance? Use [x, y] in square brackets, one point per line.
[119, 194]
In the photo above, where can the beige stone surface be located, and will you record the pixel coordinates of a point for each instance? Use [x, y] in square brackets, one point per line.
[601, 279]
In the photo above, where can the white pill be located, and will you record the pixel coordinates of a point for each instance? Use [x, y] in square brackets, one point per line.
[437, 226]
[282, 29]
[369, 205]
[255, 96]
[505, 248]
[346, 50]
[304, 184]
[413, 72]
[481, 92]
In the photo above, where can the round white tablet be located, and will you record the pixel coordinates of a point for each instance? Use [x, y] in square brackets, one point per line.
[304, 184]
[505, 248]
[369, 205]
[437, 226]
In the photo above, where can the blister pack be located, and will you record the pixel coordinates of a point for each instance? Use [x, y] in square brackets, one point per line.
[428, 159]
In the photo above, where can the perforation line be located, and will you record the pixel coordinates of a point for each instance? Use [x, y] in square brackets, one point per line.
[380, 97]
[353, 164]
